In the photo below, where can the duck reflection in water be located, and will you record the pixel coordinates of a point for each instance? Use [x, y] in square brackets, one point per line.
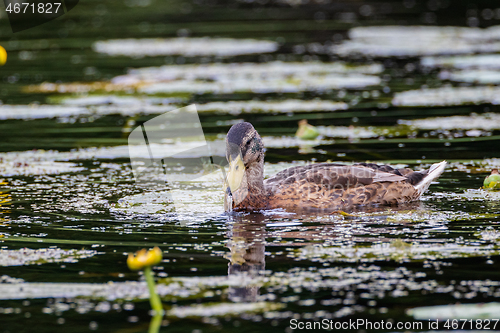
[247, 238]
[247, 254]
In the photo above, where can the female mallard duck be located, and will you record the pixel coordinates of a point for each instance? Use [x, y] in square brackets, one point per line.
[321, 186]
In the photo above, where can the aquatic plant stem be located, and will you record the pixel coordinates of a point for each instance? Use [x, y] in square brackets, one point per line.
[154, 299]
[154, 325]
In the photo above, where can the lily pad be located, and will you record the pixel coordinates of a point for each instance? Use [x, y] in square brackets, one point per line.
[448, 96]
[286, 106]
[189, 47]
[411, 41]
[480, 76]
[484, 61]
[221, 309]
[19, 166]
[456, 311]
[485, 121]
[226, 78]
[42, 256]
[394, 251]
[40, 111]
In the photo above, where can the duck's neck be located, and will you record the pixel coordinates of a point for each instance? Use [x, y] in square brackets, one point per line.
[255, 177]
[255, 197]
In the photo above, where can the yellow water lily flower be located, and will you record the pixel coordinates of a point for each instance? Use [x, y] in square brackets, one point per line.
[3, 56]
[144, 258]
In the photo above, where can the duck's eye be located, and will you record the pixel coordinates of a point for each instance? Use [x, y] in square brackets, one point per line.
[237, 167]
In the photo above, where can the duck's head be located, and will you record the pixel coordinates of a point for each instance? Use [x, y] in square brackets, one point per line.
[245, 154]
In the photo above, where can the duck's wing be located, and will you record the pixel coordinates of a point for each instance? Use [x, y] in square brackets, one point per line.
[333, 186]
[331, 175]
[413, 177]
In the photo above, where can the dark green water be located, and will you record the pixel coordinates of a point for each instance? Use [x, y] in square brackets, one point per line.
[80, 212]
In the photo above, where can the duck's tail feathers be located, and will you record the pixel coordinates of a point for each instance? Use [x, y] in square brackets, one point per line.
[434, 172]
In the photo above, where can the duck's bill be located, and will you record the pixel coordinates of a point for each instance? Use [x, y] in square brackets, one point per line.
[235, 173]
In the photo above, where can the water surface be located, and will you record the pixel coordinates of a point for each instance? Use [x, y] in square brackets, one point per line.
[70, 211]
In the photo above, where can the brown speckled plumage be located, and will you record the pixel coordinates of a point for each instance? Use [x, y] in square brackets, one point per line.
[321, 186]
